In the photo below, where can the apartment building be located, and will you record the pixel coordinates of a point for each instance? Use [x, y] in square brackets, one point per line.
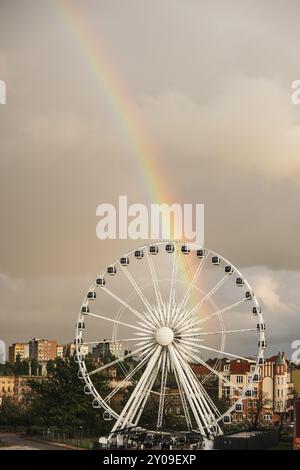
[271, 396]
[18, 349]
[42, 349]
[104, 348]
[16, 387]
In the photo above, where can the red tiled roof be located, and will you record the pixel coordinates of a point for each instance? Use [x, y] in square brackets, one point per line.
[237, 367]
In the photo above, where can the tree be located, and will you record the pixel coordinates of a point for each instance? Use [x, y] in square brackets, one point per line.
[59, 400]
[11, 413]
[262, 402]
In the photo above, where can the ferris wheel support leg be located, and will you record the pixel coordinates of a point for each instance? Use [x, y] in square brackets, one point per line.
[184, 402]
[164, 376]
[141, 399]
[202, 405]
[139, 403]
[137, 395]
[194, 406]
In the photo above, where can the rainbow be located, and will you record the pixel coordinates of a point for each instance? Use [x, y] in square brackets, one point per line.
[125, 113]
[96, 58]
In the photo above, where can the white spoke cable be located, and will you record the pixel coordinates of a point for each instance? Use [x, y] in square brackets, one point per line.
[215, 372]
[129, 307]
[115, 340]
[220, 332]
[120, 359]
[129, 376]
[201, 346]
[193, 282]
[194, 404]
[144, 330]
[200, 393]
[203, 300]
[222, 310]
[141, 295]
[154, 281]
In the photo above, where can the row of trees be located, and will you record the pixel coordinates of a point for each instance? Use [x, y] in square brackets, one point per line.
[21, 367]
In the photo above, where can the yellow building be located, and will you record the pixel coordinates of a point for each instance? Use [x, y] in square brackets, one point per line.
[296, 381]
[7, 385]
[18, 349]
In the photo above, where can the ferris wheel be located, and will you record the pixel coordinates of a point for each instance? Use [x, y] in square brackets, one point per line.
[173, 316]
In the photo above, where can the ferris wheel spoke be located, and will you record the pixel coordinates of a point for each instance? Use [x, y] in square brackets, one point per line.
[147, 393]
[183, 401]
[164, 376]
[194, 357]
[129, 307]
[86, 343]
[155, 281]
[196, 399]
[193, 282]
[172, 286]
[143, 349]
[201, 346]
[130, 375]
[209, 404]
[222, 310]
[204, 299]
[195, 379]
[191, 335]
[187, 391]
[141, 295]
[144, 330]
[201, 397]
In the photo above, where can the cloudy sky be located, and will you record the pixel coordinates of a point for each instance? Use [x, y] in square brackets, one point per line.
[210, 82]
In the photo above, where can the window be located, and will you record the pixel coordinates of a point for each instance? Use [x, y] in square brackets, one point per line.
[252, 368]
[239, 379]
[267, 417]
[249, 404]
[226, 367]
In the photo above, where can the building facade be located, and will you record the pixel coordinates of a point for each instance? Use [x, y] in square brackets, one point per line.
[60, 350]
[18, 349]
[7, 384]
[16, 387]
[42, 349]
[105, 348]
[271, 397]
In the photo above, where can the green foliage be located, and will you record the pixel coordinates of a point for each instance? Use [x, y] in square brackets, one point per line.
[59, 401]
[11, 413]
[21, 367]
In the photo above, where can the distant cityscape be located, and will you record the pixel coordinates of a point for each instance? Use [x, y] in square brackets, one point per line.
[44, 350]
[271, 397]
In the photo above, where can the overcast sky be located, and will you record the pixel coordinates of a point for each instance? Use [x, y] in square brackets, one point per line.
[211, 81]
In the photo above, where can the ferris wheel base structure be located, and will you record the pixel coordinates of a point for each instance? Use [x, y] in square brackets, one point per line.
[171, 302]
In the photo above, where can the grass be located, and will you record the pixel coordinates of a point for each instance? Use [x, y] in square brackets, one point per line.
[4, 444]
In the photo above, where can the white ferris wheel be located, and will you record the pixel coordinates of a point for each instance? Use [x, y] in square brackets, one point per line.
[175, 309]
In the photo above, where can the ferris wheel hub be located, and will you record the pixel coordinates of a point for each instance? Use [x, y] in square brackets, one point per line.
[164, 336]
